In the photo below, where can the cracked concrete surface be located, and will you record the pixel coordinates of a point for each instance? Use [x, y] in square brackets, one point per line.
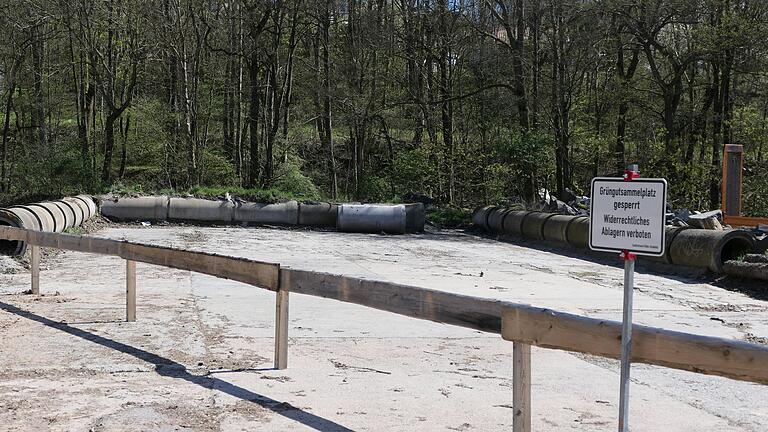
[200, 355]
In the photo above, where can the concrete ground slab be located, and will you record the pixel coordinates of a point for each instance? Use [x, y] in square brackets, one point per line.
[200, 355]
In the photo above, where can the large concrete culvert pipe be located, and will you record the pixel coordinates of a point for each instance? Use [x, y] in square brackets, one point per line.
[533, 225]
[709, 248]
[201, 210]
[556, 228]
[50, 216]
[53, 214]
[480, 217]
[685, 247]
[147, 208]
[318, 213]
[70, 217]
[285, 213]
[577, 232]
[18, 218]
[415, 217]
[495, 221]
[513, 222]
[369, 218]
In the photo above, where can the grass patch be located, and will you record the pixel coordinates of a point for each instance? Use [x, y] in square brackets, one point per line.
[75, 230]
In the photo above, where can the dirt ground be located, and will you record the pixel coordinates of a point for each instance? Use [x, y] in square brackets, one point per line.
[199, 357]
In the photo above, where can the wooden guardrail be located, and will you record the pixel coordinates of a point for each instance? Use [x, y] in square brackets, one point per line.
[524, 325]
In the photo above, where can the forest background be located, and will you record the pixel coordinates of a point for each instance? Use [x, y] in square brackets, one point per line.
[466, 102]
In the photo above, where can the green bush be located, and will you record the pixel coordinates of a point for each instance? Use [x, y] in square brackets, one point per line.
[290, 179]
[216, 169]
[450, 217]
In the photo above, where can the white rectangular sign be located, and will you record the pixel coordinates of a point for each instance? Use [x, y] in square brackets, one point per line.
[628, 215]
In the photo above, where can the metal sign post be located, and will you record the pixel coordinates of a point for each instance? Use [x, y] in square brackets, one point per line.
[627, 215]
[626, 340]
[626, 323]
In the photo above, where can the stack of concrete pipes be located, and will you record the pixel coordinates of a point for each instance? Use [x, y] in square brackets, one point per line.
[50, 216]
[684, 246]
[394, 219]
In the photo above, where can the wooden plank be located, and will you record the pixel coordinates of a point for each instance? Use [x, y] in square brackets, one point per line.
[281, 330]
[130, 290]
[744, 221]
[257, 273]
[72, 242]
[702, 354]
[415, 302]
[35, 270]
[260, 274]
[10, 233]
[731, 185]
[521, 387]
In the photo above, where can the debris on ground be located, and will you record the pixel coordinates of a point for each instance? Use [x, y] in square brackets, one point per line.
[9, 265]
[756, 258]
[761, 246]
[708, 220]
[550, 204]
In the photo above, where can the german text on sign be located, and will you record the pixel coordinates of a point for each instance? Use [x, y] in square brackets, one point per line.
[628, 215]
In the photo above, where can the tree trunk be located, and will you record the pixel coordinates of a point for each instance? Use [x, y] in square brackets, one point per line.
[254, 170]
[517, 64]
[109, 145]
[38, 118]
[124, 143]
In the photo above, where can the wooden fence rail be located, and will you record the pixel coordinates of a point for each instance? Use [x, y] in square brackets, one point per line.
[525, 325]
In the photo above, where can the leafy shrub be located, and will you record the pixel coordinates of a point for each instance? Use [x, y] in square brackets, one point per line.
[290, 179]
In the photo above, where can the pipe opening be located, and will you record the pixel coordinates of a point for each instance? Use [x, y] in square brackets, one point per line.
[735, 248]
[10, 247]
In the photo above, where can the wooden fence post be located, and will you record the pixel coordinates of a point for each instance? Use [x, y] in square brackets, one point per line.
[281, 329]
[521, 387]
[35, 268]
[130, 290]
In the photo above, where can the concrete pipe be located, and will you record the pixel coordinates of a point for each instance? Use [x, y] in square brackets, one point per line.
[44, 218]
[201, 210]
[513, 222]
[52, 216]
[85, 211]
[77, 208]
[480, 218]
[496, 219]
[415, 217]
[58, 216]
[70, 218]
[370, 218]
[318, 214]
[669, 236]
[286, 213]
[533, 225]
[154, 208]
[92, 208]
[18, 218]
[556, 228]
[709, 248]
[577, 232]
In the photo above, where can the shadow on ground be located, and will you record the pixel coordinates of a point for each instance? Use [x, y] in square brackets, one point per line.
[169, 368]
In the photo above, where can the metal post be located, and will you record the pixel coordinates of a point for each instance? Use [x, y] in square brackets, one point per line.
[35, 269]
[130, 290]
[521, 387]
[626, 340]
[632, 172]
